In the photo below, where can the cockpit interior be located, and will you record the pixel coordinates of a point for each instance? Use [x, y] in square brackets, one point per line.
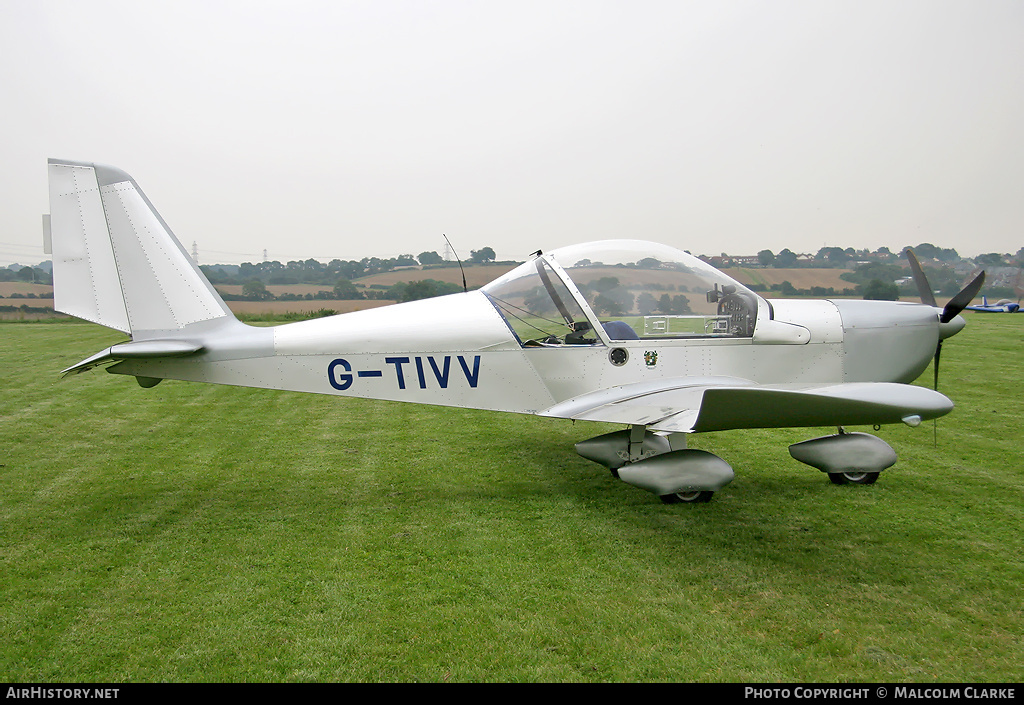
[632, 290]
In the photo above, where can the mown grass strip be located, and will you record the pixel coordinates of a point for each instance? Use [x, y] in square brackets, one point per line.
[203, 533]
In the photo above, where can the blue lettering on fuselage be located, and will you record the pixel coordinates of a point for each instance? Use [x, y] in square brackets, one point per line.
[341, 377]
[471, 377]
[341, 382]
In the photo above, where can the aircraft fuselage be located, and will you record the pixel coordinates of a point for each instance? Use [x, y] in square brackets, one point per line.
[457, 351]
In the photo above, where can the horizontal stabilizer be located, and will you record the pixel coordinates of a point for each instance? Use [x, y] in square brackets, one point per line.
[137, 350]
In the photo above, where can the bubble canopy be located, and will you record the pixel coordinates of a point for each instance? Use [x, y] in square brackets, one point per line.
[632, 289]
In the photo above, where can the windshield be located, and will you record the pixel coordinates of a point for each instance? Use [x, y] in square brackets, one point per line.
[636, 290]
[538, 307]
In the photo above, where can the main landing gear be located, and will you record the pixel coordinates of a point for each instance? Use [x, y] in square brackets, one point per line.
[659, 463]
[856, 478]
[662, 464]
[694, 497]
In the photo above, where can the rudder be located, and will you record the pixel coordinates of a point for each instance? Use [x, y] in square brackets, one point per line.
[115, 260]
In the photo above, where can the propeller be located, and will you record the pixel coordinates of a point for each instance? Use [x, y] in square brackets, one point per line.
[952, 309]
[959, 302]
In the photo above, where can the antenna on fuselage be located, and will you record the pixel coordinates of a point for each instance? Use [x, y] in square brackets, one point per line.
[457, 259]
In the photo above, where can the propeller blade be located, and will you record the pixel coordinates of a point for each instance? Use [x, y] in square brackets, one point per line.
[956, 304]
[927, 297]
[952, 309]
[959, 302]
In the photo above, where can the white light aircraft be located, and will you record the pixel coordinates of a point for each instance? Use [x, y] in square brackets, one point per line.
[623, 331]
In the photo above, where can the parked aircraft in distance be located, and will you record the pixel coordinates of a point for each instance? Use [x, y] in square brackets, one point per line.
[1001, 306]
[581, 332]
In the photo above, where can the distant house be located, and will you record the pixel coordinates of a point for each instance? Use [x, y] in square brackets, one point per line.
[719, 261]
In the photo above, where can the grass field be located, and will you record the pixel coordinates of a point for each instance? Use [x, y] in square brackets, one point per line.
[200, 533]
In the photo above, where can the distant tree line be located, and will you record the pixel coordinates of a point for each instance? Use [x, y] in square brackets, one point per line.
[345, 290]
[32, 275]
[875, 274]
[313, 271]
[788, 290]
[878, 274]
[845, 258]
[25, 308]
[336, 276]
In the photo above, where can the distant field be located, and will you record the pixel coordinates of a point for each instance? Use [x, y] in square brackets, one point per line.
[278, 289]
[200, 533]
[41, 290]
[800, 278]
[476, 275]
[237, 307]
[341, 306]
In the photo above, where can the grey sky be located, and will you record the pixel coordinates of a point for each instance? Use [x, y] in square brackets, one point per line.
[352, 129]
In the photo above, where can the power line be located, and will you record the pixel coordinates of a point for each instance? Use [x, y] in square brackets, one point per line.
[33, 248]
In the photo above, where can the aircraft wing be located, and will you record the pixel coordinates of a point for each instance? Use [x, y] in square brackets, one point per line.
[723, 403]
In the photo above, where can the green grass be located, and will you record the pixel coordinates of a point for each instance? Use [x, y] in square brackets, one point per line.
[200, 533]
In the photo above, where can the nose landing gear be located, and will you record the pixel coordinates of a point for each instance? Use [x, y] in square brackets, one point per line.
[848, 458]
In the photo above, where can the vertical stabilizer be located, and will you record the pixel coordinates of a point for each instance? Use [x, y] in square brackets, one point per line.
[115, 261]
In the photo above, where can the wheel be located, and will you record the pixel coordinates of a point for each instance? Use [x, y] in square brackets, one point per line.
[856, 478]
[687, 497]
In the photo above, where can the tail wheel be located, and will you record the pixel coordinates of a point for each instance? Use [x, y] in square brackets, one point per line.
[687, 497]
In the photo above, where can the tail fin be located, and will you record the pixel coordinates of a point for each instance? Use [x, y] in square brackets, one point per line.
[115, 261]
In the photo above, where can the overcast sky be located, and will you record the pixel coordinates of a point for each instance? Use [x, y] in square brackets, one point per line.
[351, 129]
